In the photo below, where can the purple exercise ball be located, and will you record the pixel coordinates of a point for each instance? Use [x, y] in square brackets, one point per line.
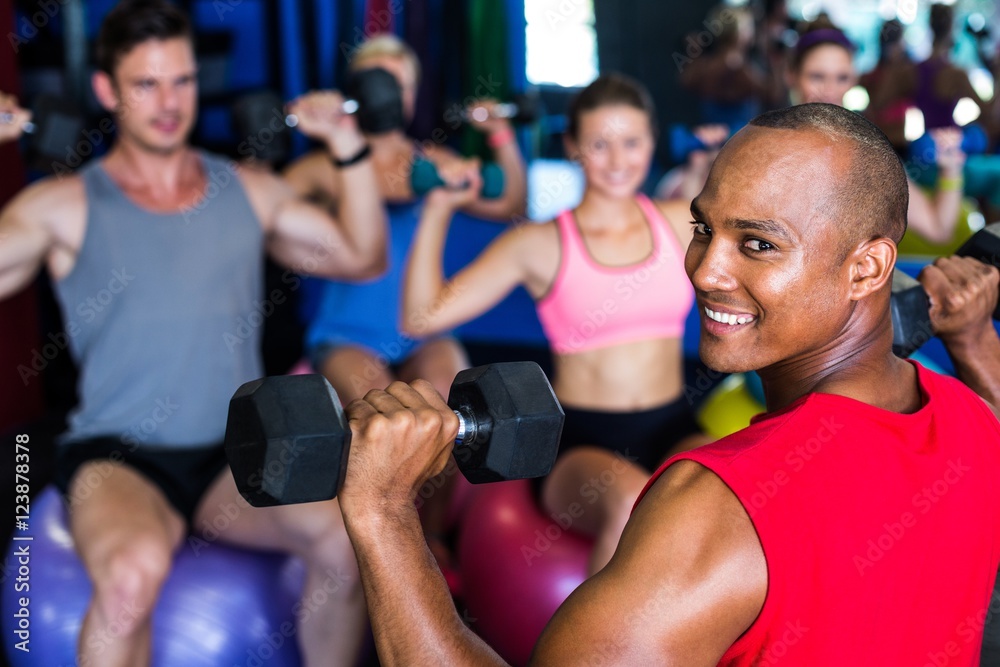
[221, 606]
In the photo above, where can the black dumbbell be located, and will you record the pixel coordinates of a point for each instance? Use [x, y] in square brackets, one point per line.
[373, 94]
[376, 97]
[55, 130]
[911, 322]
[287, 438]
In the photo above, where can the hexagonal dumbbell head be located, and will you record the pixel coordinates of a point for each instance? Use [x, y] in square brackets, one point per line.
[984, 246]
[287, 440]
[910, 310]
[514, 422]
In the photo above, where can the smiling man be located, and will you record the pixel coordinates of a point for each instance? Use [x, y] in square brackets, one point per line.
[813, 536]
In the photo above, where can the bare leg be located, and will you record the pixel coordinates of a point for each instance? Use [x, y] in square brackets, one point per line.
[353, 371]
[333, 616]
[438, 362]
[126, 533]
[597, 488]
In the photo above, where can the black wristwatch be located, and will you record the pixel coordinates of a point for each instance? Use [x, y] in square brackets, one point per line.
[365, 151]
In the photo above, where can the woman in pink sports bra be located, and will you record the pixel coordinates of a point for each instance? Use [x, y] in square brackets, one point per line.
[609, 282]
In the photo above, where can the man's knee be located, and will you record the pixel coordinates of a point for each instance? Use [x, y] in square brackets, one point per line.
[128, 582]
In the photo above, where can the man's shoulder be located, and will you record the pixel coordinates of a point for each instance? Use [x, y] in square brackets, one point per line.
[52, 196]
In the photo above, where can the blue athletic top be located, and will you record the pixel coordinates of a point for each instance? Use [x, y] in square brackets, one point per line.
[367, 313]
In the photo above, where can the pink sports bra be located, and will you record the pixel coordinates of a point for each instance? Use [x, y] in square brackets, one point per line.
[591, 305]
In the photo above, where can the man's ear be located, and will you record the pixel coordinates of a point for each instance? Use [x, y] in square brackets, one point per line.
[871, 264]
[104, 90]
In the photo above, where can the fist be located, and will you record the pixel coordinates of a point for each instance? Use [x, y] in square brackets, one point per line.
[321, 116]
[462, 183]
[11, 129]
[950, 157]
[963, 294]
[400, 438]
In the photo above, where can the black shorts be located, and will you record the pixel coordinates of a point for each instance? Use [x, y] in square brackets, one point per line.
[643, 437]
[183, 474]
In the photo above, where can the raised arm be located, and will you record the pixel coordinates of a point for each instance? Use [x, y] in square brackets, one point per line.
[963, 293]
[25, 239]
[431, 303]
[304, 237]
[935, 217]
[507, 154]
[678, 214]
[688, 578]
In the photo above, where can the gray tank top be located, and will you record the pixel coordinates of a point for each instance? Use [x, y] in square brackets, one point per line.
[164, 312]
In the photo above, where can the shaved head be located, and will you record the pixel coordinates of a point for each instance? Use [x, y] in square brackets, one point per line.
[874, 196]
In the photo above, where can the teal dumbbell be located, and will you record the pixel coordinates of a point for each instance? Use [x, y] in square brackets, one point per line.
[424, 177]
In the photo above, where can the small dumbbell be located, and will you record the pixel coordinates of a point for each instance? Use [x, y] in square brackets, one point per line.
[522, 109]
[424, 177]
[288, 441]
[55, 130]
[911, 322]
[373, 95]
[974, 142]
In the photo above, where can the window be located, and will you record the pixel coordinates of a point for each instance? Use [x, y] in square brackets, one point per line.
[561, 42]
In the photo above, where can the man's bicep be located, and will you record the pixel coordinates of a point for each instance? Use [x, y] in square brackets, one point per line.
[688, 578]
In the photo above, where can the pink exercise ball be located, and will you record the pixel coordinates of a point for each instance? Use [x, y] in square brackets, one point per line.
[517, 566]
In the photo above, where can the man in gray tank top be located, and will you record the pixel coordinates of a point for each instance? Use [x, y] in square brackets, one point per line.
[156, 255]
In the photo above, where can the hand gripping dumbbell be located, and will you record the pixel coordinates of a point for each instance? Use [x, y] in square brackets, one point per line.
[288, 440]
[974, 142]
[373, 95]
[424, 177]
[910, 307]
[522, 109]
[56, 129]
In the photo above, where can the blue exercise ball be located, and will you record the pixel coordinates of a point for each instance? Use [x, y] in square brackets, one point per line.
[220, 606]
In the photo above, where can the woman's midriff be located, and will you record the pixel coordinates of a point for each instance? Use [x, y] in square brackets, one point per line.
[622, 378]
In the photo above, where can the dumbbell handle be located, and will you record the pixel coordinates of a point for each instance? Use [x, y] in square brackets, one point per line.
[349, 107]
[500, 110]
[7, 118]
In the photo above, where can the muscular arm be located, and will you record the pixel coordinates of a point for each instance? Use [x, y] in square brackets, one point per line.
[934, 219]
[25, 238]
[515, 190]
[678, 214]
[963, 293]
[689, 577]
[312, 177]
[306, 238]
